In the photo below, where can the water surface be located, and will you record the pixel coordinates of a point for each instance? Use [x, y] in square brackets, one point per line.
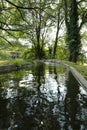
[44, 97]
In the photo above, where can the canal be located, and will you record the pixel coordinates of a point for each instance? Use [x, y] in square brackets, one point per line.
[42, 97]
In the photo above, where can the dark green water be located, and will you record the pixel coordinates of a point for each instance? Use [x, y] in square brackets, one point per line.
[44, 97]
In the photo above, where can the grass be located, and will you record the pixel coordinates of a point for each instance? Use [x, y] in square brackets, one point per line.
[5, 62]
[15, 61]
[82, 69]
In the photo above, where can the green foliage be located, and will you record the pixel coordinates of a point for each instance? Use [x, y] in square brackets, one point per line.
[82, 58]
[29, 54]
[61, 53]
[34, 20]
[50, 52]
[40, 51]
[81, 68]
[17, 62]
[4, 55]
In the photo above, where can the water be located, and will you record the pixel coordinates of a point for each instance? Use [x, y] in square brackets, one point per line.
[44, 97]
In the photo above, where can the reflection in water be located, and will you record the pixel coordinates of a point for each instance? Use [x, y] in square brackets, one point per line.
[74, 102]
[71, 102]
[42, 98]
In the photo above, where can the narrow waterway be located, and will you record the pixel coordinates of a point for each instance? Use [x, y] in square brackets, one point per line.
[43, 97]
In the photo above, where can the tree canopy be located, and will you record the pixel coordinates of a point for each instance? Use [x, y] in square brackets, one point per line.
[33, 20]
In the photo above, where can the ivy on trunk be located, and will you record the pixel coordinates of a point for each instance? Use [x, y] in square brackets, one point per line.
[73, 32]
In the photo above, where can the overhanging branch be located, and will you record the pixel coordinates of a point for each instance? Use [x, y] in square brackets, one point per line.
[6, 40]
[81, 1]
[21, 7]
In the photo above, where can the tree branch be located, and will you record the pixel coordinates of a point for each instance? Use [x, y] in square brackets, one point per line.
[84, 20]
[6, 40]
[21, 7]
[81, 1]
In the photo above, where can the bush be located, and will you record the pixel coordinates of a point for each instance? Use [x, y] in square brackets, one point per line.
[4, 55]
[28, 54]
[17, 62]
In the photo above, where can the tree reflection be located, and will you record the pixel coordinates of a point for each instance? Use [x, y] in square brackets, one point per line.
[39, 72]
[38, 100]
[11, 102]
[71, 103]
[41, 115]
[4, 112]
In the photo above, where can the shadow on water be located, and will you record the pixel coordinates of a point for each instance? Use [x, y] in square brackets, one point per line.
[42, 98]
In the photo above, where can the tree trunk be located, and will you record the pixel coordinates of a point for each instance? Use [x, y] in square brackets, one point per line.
[38, 32]
[73, 33]
[57, 32]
